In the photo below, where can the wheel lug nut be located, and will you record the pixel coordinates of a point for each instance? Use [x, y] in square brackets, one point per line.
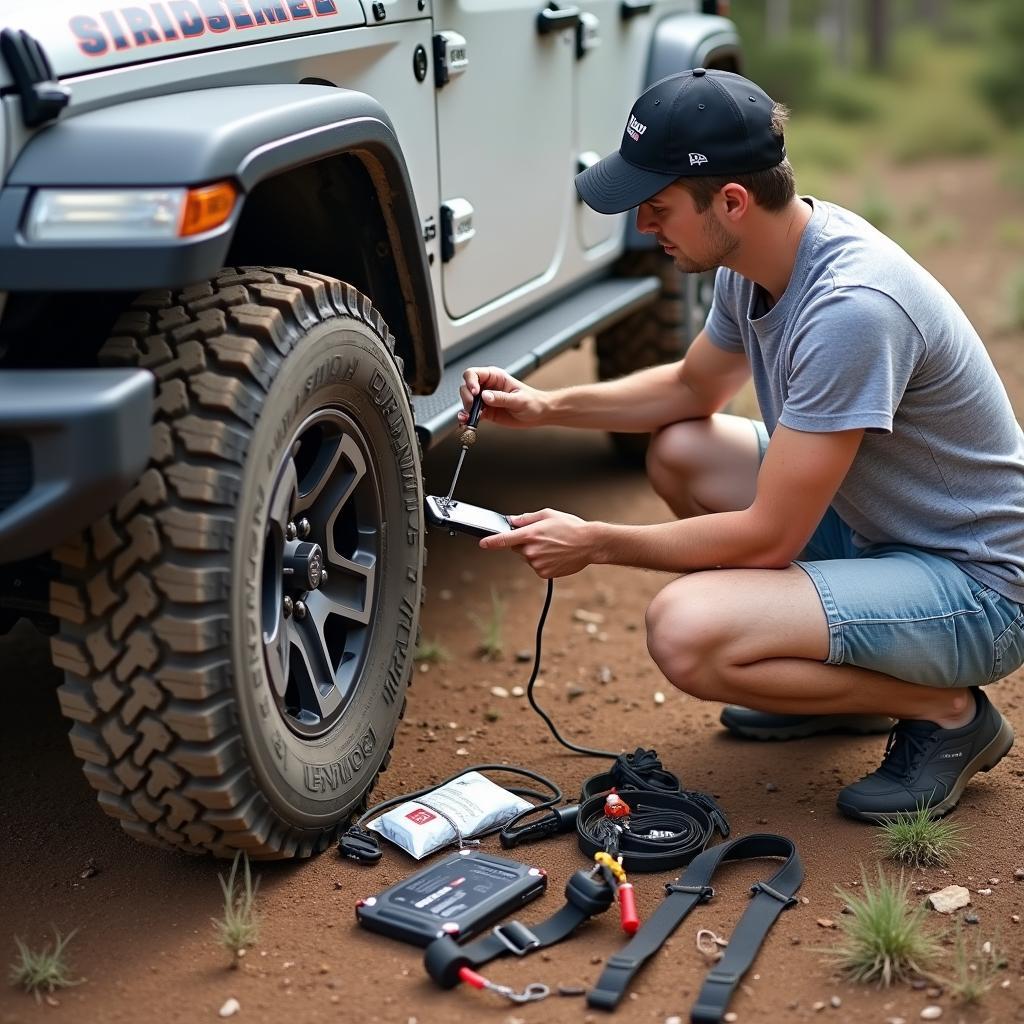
[300, 609]
[290, 532]
[304, 528]
[288, 606]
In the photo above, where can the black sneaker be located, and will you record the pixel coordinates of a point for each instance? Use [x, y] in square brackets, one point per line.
[928, 766]
[760, 725]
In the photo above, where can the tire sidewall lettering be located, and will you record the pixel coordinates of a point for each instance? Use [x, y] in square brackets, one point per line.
[340, 363]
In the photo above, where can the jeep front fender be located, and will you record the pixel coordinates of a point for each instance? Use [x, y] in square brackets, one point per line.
[244, 133]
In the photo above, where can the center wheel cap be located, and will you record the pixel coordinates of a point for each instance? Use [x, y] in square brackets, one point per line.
[303, 565]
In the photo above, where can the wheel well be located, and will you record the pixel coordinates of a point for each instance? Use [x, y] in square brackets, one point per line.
[327, 217]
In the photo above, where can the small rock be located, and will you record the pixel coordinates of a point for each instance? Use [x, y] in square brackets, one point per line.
[591, 618]
[895, 1020]
[919, 984]
[572, 691]
[993, 881]
[499, 691]
[591, 629]
[524, 656]
[762, 821]
[1015, 918]
[804, 900]
[931, 1013]
[462, 752]
[659, 697]
[771, 788]
[491, 716]
[571, 990]
[595, 959]
[953, 897]
[453, 725]
[795, 940]
[324, 969]
[826, 922]
[984, 892]
[605, 675]
[819, 1006]
[1019, 874]
[933, 992]
[1005, 983]
[673, 1020]
[730, 1016]
[230, 1008]
[835, 1002]
[90, 870]
[518, 691]
[970, 918]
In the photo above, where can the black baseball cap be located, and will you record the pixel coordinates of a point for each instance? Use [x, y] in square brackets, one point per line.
[694, 124]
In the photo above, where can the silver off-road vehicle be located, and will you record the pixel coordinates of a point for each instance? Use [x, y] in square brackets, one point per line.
[242, 243]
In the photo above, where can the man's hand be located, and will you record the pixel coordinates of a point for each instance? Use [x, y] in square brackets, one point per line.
[554, 543]
[507, 402]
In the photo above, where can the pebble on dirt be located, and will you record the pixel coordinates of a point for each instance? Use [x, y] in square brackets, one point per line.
[659, 697]
[931, 1013]
[826, 922]
[230, 1008]
[524, 656]
[1019, 874]
[499, 691]
[835, 1002]
[953, 897]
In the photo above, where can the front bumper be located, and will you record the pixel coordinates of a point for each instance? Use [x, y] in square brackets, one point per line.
[71, 443]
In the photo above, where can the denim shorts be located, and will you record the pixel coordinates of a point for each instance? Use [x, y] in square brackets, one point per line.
[907, 612]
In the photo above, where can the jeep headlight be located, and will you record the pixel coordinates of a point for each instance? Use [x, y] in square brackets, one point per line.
[130, 214]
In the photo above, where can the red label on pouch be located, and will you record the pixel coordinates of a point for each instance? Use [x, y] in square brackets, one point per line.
[420, 816]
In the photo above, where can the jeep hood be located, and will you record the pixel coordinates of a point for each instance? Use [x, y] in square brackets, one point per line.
[82, 36]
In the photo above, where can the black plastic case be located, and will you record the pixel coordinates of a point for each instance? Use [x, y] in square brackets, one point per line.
[459, 896]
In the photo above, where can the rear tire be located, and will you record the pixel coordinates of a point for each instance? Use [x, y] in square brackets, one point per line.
[206, 719]
[657, 334]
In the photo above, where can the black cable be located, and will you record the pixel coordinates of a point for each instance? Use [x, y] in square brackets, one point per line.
[587, 751]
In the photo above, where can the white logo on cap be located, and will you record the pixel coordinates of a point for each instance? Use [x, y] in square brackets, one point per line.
[635, 129]
[697, 158]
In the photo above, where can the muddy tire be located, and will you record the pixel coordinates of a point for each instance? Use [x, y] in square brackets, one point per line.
[656, 334]
[209, 713]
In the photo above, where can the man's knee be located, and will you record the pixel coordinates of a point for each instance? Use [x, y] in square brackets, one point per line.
[684, 639]
[675, 459]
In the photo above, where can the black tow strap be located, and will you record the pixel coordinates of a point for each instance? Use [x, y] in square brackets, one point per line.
[586, 893]
[692, 887]
[663, 830]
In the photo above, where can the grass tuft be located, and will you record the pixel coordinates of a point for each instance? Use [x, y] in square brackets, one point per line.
[883, 937]
[432, 652]
[492, 642]
[974, 970]
[239, 926]
[45, 970]
[918, 840]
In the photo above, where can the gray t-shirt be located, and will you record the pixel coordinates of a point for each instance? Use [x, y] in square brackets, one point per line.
[865, 337]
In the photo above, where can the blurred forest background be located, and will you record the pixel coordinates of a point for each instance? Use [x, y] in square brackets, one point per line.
[910, 112]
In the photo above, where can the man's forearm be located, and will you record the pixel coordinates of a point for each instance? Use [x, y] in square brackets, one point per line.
[720, 540]
[639, 403]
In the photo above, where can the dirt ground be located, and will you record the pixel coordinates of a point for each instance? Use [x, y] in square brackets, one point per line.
[145, 946]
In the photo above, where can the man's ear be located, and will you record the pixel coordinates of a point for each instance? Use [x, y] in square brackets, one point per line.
[735, 200]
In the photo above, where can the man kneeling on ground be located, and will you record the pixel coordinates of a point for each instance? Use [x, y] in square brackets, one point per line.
[856, 557]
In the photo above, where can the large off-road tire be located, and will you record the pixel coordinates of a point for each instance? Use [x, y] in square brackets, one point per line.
[207, 716]
[656, 334]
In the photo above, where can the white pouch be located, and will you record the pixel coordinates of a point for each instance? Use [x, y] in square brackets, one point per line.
[462, 808]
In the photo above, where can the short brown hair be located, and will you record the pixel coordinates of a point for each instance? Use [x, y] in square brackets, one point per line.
[772, 189]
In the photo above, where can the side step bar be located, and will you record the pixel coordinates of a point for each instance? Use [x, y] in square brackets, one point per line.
[527, 346]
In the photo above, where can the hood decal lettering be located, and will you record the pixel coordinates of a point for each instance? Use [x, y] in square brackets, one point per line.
[168, 21]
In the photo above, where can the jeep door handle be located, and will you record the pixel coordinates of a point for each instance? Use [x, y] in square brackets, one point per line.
[631, 8]
[553, 19]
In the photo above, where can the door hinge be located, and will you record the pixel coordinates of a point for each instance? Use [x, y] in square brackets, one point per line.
[457, 229]
[450, 57]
